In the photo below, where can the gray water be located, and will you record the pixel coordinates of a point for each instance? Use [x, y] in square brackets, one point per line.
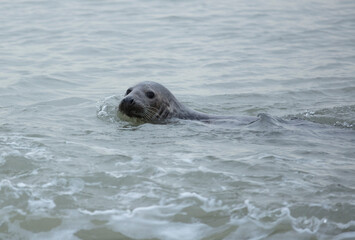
[70, 168]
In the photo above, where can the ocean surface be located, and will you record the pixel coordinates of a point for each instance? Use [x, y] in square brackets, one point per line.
[70, 168]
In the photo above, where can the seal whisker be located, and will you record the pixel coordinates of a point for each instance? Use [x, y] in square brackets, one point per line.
[152, 111]
[149, 113]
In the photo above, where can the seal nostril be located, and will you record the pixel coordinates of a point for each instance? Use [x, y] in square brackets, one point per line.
[128, 100]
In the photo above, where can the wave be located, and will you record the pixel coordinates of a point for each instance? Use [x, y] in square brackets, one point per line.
[342, 116]
[107, 108]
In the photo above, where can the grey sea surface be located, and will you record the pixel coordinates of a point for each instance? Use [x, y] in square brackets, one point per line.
[70, 168]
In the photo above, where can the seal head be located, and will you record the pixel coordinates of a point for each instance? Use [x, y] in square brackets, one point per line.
[149, 101]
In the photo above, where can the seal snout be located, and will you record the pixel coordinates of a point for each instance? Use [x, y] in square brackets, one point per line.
[126, 104]
[128, 100]
[129, 106]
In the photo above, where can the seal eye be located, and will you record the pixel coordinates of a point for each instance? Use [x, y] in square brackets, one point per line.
[150, 94]
[128, 91]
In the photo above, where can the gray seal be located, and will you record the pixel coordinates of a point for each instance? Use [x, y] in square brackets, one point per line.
[152, 102]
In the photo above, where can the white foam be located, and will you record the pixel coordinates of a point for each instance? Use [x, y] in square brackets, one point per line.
[193, 195]
[100, 150]
[347, 225]
[343, 124]
[150, 222]
[9, 189]
[70, 186]
[154, 221]
[106, 109]
[99, 212]
[41, 204]
[21, 146]
[57, 234]
[208, 204]
[5, 183]
[39, 154]
[107, 151]
[345, 236]
[21, 185]
[307, 225]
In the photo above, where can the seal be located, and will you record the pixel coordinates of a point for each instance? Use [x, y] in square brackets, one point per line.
[152, 102]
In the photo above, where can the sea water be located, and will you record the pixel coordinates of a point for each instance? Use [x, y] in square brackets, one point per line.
[70, 168]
